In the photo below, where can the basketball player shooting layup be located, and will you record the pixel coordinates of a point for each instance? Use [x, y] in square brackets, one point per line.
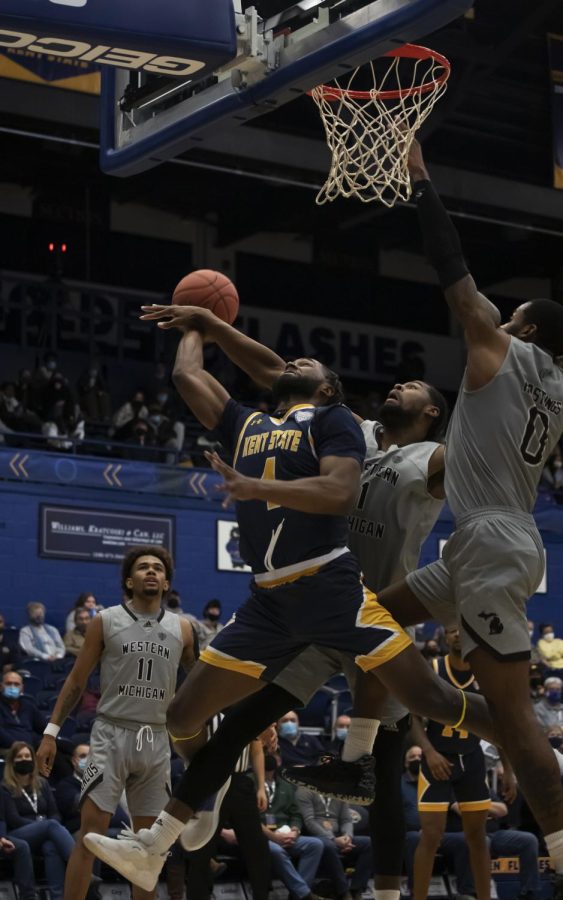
[139, 647]
[295, 477]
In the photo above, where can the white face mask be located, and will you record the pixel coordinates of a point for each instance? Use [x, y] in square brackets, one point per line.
[548, 636]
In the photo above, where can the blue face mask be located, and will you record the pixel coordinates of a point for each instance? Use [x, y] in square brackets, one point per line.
[82, 763]
[553, 695]
[341, 734]
[288, 729]
[12, 691]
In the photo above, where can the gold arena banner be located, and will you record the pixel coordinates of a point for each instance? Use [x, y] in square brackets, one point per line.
[55, 71]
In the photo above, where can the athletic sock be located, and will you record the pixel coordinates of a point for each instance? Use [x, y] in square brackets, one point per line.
[164, 831]
[360, 739]
[554, 843]
[386, 895]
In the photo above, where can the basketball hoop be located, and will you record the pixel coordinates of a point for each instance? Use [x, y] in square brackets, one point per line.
[369, 132]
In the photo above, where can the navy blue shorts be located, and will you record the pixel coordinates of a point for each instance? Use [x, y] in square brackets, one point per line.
[467, 784]
[330, 608]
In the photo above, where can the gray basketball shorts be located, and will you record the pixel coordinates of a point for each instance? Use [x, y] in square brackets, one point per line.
[308, 672]
[491, 565]
[116, 765]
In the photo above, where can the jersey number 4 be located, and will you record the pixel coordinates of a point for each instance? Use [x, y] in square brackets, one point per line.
[535, 437]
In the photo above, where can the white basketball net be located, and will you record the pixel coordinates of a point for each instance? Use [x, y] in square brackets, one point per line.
[369, 136]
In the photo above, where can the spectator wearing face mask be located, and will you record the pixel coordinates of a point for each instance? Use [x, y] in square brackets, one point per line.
[35, 815]
[209, 625]
[74, 639]
[295, 748]
[550, 648]
[173, 602]
[67, 794]
[549, 710]
[39, 640]
[341, 727]
[20, 720]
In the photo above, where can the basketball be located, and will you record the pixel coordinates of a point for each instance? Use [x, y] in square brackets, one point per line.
[209, 289]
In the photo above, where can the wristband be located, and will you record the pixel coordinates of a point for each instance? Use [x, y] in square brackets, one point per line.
[52, 730]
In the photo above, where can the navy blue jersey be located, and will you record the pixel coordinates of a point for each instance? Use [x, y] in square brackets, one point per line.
[272, 537]
[444, 738]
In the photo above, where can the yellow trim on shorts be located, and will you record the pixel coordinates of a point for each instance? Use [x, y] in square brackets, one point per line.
[373, 615]
[433, 807]
[287, 579]
[475, 805]
[224, 661]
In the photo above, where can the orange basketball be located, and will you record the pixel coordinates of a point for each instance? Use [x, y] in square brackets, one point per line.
[209, 289]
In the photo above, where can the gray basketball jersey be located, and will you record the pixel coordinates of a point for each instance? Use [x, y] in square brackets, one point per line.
[139, 665]
[395, 513]
[500, 436]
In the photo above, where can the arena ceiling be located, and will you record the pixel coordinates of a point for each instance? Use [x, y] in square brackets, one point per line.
[489, 142]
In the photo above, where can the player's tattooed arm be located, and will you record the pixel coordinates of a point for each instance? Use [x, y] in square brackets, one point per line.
[77, 679]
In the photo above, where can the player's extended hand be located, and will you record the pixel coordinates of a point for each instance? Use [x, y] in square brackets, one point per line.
[439, 766]
[46, 754]
[185, 318]
[416, 166]
[235, 485]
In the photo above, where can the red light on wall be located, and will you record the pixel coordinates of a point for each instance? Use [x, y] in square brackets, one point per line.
[63, 248]
[51, 247]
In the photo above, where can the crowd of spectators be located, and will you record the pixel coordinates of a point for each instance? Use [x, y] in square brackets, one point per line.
[82, 416]
[315, 846]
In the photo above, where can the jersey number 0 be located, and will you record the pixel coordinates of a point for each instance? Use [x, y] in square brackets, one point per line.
[534, 441]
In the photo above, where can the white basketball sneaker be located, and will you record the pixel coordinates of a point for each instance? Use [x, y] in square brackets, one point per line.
[199, 830]
[129, 855]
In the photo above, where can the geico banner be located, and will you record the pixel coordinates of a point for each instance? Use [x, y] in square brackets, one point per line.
[354, 349]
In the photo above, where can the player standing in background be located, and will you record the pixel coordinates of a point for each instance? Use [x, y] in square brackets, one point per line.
[139, 647]
[453, 765]
[296, 475]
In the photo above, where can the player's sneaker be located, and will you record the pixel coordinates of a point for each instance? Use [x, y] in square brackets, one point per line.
[199, 830]
[353, 782]
[129, 855]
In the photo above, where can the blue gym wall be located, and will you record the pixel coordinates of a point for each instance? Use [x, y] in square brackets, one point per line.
[25, 576]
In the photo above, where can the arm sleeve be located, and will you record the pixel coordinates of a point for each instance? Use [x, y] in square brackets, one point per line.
[231, 424]
[306, 802]
[335, 432]
[440, 238]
